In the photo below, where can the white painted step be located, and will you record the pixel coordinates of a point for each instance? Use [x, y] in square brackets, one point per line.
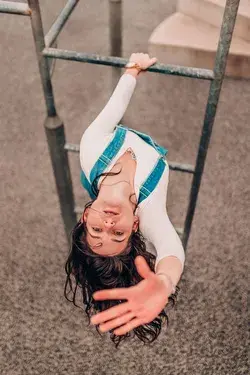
[183, 40]
[211, 11]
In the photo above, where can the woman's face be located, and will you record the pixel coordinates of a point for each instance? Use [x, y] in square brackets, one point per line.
[109, 228]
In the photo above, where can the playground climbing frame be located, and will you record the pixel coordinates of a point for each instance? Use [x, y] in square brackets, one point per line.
[54, 127]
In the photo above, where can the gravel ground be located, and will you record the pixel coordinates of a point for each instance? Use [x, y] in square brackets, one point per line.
[40, 332]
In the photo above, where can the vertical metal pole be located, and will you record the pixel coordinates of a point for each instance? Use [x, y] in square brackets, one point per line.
[226, 33]
[53, 126]
[115, 35]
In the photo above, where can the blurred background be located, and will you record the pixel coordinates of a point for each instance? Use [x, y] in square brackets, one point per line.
[42, 333]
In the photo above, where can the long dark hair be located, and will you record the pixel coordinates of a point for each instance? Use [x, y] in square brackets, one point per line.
[89, 272]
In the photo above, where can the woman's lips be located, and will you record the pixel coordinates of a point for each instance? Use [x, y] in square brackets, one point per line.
[112, 212]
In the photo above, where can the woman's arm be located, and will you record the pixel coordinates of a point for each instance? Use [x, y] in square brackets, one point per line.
[156, 226]
[170, 253]
[114, 110]
[170, 266]
[99, 133]
[170, 256]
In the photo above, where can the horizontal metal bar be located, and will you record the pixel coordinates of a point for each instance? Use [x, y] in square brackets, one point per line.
[180, 231]
[57, 26]
[14, 8]
[71, 147]
[181, 167]
[121, 62]
[79, 210]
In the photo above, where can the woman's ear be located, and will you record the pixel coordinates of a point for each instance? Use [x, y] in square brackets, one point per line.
[85, 215]
[136, 224]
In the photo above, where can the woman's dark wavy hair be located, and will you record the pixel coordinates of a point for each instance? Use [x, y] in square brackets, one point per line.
[90, 272]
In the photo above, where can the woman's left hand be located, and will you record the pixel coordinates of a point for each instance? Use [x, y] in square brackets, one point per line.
[144, 302]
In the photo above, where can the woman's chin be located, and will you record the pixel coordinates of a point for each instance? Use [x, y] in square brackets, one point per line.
[114, 203]
[112, 208]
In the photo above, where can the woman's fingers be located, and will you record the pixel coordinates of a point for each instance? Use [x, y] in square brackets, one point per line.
[142, 267]
[153, 60]
[117, 293]
[111, 313]
[143, 59]
[128, 327]
[116, 322]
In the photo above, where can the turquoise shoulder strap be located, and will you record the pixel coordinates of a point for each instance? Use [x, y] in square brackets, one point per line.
[87, 186]
[152, 180]
[103, 161]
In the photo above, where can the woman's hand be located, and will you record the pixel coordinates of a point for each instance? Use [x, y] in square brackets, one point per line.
[143, 60]
[144, 302]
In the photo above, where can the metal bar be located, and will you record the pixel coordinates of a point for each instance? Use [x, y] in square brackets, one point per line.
[121, 62]
[57, 26]
[14, 8]
[181, 167]
[179, 231]
[226, 33]
[37, 29]
[115, 35]
[54, 127]
[72, 147]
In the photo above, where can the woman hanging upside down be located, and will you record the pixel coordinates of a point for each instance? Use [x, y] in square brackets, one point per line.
[126, 175]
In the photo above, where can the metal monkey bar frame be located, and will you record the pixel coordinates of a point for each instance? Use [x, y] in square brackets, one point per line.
[54, 127]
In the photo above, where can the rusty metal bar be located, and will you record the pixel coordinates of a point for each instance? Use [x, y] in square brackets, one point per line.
[57, 26]
[53, 126]
[180, 167]
[115, 35]
[121, 62]
[226, 33]
[14, 8]
[37, 30]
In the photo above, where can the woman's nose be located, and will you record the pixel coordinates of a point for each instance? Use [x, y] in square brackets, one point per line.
[109, 222]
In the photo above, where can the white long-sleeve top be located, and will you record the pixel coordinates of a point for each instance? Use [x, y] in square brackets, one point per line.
[154, 222]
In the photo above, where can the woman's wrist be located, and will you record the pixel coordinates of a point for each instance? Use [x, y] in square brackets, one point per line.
[132, 71]
[168, 282]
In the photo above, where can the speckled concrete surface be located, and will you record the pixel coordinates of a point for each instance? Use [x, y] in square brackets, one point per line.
[40, 332]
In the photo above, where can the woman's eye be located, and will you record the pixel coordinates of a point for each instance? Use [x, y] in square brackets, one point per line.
[119, 233]
[96, 229]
